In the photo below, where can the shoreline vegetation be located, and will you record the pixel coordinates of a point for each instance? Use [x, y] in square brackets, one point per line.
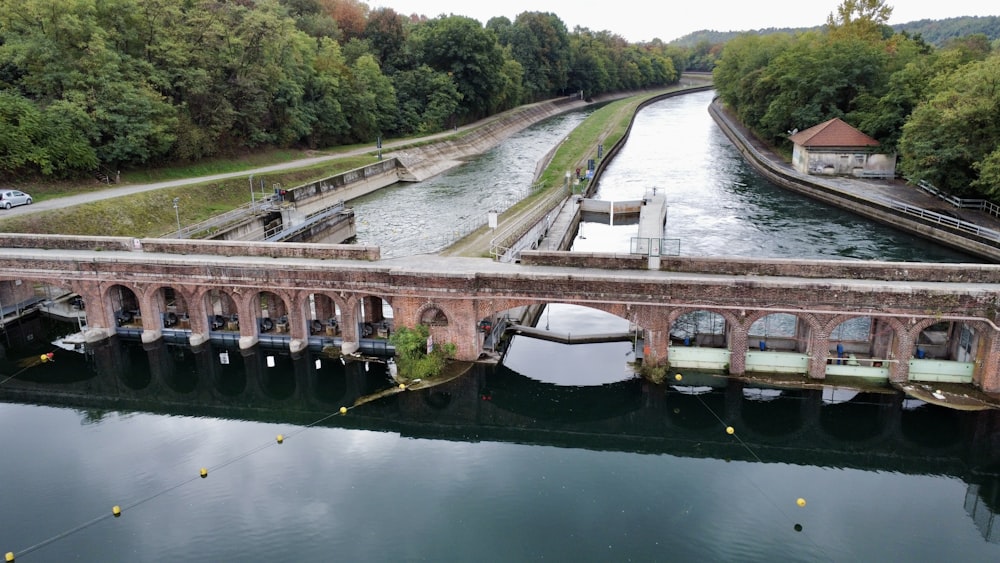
[150, 214]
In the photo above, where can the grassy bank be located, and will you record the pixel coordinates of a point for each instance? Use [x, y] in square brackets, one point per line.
[151, 214]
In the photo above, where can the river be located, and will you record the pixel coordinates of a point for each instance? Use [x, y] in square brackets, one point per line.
[558, 454]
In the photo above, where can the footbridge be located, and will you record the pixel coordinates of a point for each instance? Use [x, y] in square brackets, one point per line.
[930, 322]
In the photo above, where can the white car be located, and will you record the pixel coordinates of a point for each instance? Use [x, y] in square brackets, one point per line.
[10, 198]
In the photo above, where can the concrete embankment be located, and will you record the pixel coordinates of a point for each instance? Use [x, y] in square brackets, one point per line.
[852, 195]
[422, 162]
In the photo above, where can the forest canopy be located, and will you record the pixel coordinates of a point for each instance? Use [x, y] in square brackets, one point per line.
[98, 85]
[939, 107]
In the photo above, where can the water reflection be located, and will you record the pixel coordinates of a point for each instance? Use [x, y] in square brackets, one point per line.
[490, 449]
[579, 364]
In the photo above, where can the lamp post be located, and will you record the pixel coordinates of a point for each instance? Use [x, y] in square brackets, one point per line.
[177, 213]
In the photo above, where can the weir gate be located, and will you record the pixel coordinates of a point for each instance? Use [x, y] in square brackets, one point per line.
[898, 321]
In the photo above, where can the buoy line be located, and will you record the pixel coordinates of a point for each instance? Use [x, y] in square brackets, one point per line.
[800, 502]
[203, 473]
[47, 357]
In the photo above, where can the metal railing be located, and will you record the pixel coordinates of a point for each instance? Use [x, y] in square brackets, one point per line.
[945, 220]
[217, 222]
[655, 247]
[896, 205]
[977, 204]
[279, 232]
[507, 244]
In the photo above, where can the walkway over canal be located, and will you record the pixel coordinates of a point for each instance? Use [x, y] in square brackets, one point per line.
[933, 322]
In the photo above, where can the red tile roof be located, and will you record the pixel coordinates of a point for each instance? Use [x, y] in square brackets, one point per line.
[833, 133]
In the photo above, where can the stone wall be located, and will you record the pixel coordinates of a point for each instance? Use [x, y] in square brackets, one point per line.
[812, 269]
[272, 249]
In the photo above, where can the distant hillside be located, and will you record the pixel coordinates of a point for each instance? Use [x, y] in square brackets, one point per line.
[935, 32]
[938, 32]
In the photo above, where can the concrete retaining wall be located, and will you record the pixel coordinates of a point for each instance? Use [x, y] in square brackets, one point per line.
[192, 246]
[430, 160]
[966, 242]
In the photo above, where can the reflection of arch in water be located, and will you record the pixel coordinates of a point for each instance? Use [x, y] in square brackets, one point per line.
[437, 400]
[276, 375]
[171, 366]
[857, 420]
[518, 394]
[696, 412]
[772, 415]
[226, 373]
[329, 380]
[927, 428]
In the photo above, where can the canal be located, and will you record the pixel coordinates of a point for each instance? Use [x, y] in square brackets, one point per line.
[560, 453]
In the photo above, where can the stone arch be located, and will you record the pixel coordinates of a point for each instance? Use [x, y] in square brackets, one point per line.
[716, 340]
[170, 305]
[122, 304]
[220, 309]
[321, 312]
[369, 315]
[798, 339]
[432, 314]
[270, 311]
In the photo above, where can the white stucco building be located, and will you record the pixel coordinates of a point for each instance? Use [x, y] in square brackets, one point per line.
[835, 148]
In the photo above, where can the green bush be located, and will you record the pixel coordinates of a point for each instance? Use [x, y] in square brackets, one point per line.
[412, 359]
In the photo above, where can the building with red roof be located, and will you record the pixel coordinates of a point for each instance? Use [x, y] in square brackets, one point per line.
[835, 148]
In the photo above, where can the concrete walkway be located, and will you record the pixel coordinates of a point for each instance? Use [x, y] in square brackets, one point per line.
[875, 190]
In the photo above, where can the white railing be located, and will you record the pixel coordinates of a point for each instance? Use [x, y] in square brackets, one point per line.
[977, 204]
[945, 220]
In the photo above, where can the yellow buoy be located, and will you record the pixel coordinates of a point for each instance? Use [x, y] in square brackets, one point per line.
[402, 386]
[44, 358]
[10, 556]
[204, 473]
[801, 501]
[280, 438]
[343, 410]
[730, 430]
[678, 377]
[116, 510]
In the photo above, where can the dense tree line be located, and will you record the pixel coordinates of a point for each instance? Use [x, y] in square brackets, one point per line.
[87, 85]
[938, 107]
[935, 32]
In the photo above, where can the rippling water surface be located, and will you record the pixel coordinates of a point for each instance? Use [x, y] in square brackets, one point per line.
[407, 219]
[560, 454]
[720, 206]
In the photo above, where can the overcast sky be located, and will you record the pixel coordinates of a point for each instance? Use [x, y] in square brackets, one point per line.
[636, 21]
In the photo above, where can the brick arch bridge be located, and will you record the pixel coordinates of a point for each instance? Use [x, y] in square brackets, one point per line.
[298, 284]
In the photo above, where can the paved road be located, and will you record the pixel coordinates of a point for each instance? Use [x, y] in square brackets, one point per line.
[129, 189]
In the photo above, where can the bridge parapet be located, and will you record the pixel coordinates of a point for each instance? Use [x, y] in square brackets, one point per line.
[778, 267]
[201, 279]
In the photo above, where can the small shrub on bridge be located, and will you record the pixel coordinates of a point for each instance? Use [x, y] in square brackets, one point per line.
[412, 359]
